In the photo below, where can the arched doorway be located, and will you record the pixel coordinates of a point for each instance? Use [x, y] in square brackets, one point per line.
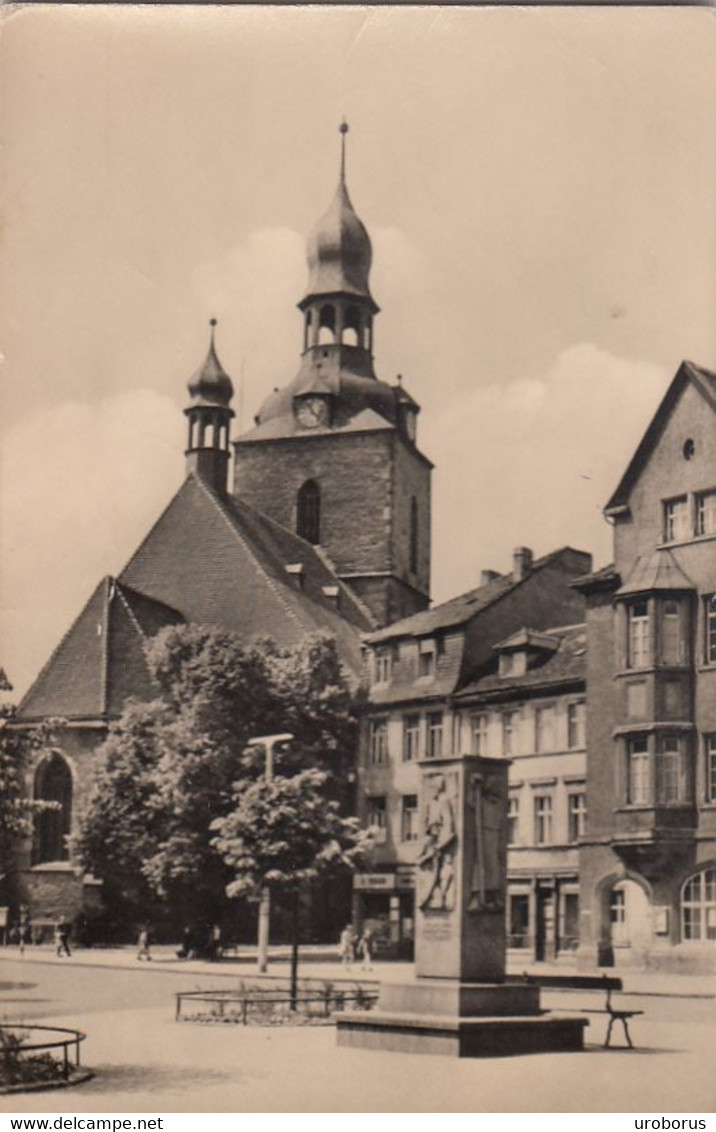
[629, 918]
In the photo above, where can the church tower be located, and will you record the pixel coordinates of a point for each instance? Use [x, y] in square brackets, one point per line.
[333, 455]
[209, 416]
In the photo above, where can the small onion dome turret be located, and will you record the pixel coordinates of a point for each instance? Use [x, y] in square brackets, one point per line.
[211, 384]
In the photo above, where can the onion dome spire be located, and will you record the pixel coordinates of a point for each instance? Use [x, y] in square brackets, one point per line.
[211, 384]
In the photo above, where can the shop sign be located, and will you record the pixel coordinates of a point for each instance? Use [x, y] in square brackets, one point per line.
[374, 881]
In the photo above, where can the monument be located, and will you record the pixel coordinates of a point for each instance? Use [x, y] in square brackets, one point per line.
[460, 1002]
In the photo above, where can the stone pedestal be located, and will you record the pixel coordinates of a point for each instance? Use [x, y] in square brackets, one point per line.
[459, 1003]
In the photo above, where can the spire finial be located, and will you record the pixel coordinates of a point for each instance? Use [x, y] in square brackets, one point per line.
[212, 324]
[343, 130]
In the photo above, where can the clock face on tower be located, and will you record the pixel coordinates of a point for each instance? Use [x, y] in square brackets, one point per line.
[312, 412]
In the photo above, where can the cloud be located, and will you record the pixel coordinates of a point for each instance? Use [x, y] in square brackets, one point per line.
[535, 461]
[81, 485]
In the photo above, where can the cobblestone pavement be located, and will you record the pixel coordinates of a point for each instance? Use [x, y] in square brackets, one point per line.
[146, 1062]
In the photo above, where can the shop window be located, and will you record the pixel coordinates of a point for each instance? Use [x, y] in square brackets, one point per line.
[639, 635]
[676, 518]
[638, 772]
[513, 819]
[543, 819]
[378, 741]
[710, 742]
[519, 920]
[706, 513]
[577, 815]
[411, 738]
[576, 725]
[710, 628]
[435, 735]
[409, 818]
[698, 907]
[479, 734]
[53, 783]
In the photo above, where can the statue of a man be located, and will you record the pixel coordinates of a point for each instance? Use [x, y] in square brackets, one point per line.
[436, 855]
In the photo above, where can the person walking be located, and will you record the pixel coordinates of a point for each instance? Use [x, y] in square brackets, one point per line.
[143, 951]
[348, 946]
[62, 939]
[365, 949]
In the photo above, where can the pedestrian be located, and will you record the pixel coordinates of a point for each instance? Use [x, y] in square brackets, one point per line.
[62, 939]
[143, 951]
[348, 946]
[365, 949]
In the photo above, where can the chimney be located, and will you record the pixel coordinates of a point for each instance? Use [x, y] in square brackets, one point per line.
[488, 576]
[521, 562]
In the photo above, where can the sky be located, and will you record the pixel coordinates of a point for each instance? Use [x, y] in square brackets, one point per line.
[540, 189]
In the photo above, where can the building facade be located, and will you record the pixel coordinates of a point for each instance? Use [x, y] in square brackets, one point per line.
[439, 686]
[648, 864]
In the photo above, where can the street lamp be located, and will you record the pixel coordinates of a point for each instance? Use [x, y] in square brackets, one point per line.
[269, 743]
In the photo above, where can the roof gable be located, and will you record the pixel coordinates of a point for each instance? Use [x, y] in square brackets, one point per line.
[687, 374]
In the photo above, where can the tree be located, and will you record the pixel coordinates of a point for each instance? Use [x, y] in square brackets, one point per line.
[283, 834]
[168, 767]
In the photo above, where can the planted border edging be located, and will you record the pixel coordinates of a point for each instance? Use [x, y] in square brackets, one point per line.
[78, 1077]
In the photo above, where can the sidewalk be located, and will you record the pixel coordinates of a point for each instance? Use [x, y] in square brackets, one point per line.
[322, 962]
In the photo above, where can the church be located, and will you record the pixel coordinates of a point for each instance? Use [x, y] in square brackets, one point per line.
[325, 526]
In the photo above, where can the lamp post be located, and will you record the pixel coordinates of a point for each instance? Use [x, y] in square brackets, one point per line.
[269, 743]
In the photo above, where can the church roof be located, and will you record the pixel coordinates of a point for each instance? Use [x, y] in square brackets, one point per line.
[100, 661]
[211, 384]
[286, 425]
[688, 372]
[339, 250]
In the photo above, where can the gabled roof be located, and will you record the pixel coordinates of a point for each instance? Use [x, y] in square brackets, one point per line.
[100, 661]
[565, 666]
[656, 571]
[460, 610]
[705, 382]
[222, 562]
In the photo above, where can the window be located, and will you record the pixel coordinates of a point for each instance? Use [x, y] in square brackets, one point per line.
[479, 734]
[377, 816]
[308, 512]
[411, 738]
[543, 819]
[544, 729]
[638, 776]
[383, 665]
[576, 729]
[698, 906]
[676, 518]
[710, 768]
[53, 783]
[409, 818]
[668, 770]
[577, 816]
[639, 651]
[413, 535]
[509, 733]
[379, 741]
[426, 659]
[710, 623]
[519, 913]
[507, 664]
[618, 916]
[671, 633]
[706, 513]
[435, 735]
[513, 819]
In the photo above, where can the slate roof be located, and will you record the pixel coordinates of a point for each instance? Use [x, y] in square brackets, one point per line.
[460, 609]
[656, 571]
[100, 661]
[286, 425]
[567, 665]
[705, 382]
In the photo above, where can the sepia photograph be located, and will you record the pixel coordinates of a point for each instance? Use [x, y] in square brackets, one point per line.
[358, 587]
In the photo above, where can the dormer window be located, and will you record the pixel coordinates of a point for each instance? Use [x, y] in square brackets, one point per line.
[676, 518]
[426, 660]
[383, 665]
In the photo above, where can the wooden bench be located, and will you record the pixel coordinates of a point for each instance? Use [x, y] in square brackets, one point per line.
[592, 982]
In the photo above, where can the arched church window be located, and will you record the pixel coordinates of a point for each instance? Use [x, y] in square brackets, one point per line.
[413, 535]
[308, 512]
[698, 907]
[327, 324]
[53, 783]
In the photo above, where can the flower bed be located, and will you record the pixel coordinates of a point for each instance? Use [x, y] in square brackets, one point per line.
[38, 1055]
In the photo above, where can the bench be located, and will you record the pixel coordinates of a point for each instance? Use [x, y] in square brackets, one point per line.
[591, 982]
